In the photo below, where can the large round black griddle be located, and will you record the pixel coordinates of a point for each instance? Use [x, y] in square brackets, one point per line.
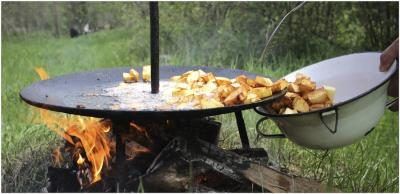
[68, 94]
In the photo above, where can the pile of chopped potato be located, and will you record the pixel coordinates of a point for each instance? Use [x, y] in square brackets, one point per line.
[302, 96]
[204, 90]
[133, 75]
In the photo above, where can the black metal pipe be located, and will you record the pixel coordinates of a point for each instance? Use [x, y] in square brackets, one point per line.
[154, 50]
[242, 130]
[118, 127]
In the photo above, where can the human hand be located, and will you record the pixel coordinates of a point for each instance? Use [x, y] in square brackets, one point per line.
[387, 58]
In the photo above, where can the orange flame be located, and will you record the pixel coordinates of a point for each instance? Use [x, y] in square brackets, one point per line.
[91, 133]
[80, 160]
[57, 157]
[42, 73]
[140, 129]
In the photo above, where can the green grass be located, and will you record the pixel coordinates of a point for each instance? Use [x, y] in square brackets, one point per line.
[370, 165]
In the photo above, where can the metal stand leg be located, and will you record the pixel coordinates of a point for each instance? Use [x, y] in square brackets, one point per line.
[242, 130]
[118, 128]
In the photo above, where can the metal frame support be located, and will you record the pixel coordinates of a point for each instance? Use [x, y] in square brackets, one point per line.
[118, 127]
[242, 130]
[154, 44]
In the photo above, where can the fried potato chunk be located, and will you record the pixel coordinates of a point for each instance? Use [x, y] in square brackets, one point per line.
[263, 82]
[288, 111]
[262, 92]
[302, 96]
[300, 105]
[251, 83]
[210, 103]
[331, 91]
[224, 91]
[292, 87]
[319, 96]
[279, 85]
[205, 90]
[146, 73]
[277, 105]
[233, 98]
[291, 95]
[128, 78]
[208, 77]
[223, 81]
[134, 74]
[193, 77]
[251, 98]
[306, 85]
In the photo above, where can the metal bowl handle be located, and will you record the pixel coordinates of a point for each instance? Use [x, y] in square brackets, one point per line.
[391, 102]
[326, 113]
[261, 134]
[259, 112]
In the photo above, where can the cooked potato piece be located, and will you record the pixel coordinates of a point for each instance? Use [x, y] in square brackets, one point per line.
[224, 91]
[128, 78]
[305, 95]
[279, 85]
[146, 73]
[300, 76]
[291, 95]
[209, 87]
[181, 92]
[251, 97]
[193, 77]
[210, 103]
[208, 77]
[306, 85]
[182, 85]
[331, 91]
[300, 105]
[289, 111]
[201, 72]
[277, 105]
[186, 98]
[233, 97]
[134, 74]
[245, 87]
[222, 81]
[292, 87]
[187, 73]
[287, 101]
[262, 92]
[241, 78]
[197, 85]
[319, 96]
[263, 82]
[242, 96]
[204, 90]
[251, 83]
[236, 85]
[317, 106]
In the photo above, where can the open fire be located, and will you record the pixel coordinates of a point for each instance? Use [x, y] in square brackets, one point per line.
[89, 137]
[158, 155]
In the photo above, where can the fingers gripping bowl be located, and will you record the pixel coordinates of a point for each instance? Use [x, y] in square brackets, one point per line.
[361, 96]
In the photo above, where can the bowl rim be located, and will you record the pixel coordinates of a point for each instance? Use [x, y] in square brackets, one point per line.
[262, 111]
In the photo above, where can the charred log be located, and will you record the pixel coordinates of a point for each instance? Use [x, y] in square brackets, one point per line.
[62, 180]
